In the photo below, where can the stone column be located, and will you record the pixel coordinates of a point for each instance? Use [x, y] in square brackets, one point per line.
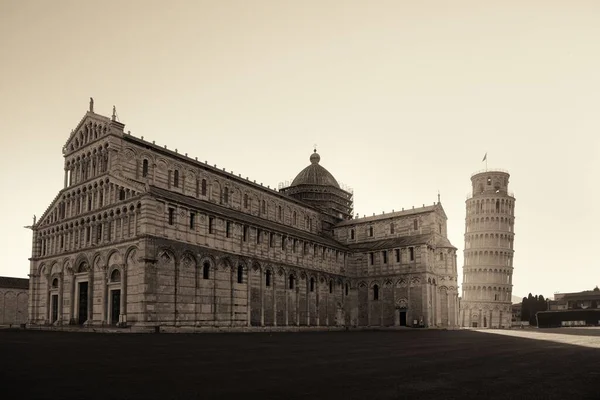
[275, 299]
[72, 303]
[285, 292]
[60, 297]
[248, 287]
[231, 287]
[90, 303]
[123, 297]
[104, 295]
[262, 298]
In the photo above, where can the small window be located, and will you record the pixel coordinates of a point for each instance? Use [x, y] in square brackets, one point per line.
[228, 229]
[55, 282]
[312, 284]
[226, 195]
[411, 252]
[375, 292]
[192, 220]
[279, 213]
[283, 240]
[392, 228]
[122, 194]
[346, 289]
[211, 223]
[264, 207]
[330, 286]
[240, 274]
[176, 178]
[440, 228]
[352, 234]
[291, 285]
[245, 233]
[268, 278]
[115, 276]
[416, 224]
[245, 201]
[203, 187]
[370, 231]
[145, 168]
[272, 240]
[371, 258]
[294, 244]
[385, 257]
[294, 218]
[171, 216]
[489, 181]
[397, 251]
[257, 235]
[206, 270]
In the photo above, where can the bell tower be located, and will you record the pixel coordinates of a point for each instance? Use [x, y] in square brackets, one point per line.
[488, 255]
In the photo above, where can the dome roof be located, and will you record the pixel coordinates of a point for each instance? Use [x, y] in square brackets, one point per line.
[315, 174]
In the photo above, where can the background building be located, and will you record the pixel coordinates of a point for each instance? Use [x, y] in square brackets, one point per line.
[14, 293]
[142, 235]
[488, 255]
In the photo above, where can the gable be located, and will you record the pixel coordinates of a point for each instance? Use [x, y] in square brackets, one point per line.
[91, 128]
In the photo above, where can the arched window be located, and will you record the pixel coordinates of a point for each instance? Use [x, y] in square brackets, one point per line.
[145, 168]
[55, 283]
[240, 274]
[268, 278]
[291, 281]
[122, 194]
[203, 187]
[370, 231]
[176, 178]
[226, 195]
[294, 218]
[245, 201]
[497, 206]
[115, 276]
[264, 206]
[375, 292]
[352, 234]
[312, 284]
[206, 270]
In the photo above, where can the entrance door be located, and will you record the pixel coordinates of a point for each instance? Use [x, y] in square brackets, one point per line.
[402, 318]
[54, 308]
[474, 324]
[115, 306]
[83, 303]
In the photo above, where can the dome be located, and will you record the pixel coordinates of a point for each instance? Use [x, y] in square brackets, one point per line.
[315, 174]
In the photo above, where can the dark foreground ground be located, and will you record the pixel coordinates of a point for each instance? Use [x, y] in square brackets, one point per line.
[425, 364]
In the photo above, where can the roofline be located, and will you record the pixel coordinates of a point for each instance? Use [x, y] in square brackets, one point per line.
[222, 172]
[384, 216]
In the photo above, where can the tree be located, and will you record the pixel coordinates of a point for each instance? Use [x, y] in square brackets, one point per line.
[524, 310]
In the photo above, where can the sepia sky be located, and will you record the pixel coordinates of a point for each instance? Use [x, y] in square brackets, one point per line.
[402, 98]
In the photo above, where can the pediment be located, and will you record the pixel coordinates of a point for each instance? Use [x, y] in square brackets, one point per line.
[52, 212]
[91, 128]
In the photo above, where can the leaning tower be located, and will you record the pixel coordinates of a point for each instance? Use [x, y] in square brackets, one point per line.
[488, 256]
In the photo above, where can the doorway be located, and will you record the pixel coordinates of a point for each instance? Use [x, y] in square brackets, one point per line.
[402, 318]
[115, 306]
[484, 322]
[83, 303]
[54, 316]
[474, 324]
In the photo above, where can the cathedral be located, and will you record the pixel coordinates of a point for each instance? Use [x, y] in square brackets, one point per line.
[143, 236]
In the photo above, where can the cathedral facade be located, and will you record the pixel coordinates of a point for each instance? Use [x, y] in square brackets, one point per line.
[144, 236]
